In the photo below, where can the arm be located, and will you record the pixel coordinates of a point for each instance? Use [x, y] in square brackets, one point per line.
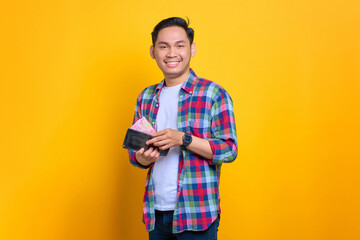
[168, 138]
[223, 141]
[201, 147]
[220, 147]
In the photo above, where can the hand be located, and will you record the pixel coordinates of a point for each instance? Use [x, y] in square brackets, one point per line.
[166, 138]
[147, 157]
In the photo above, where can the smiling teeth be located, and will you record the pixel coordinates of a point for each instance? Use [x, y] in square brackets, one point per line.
[172, 63]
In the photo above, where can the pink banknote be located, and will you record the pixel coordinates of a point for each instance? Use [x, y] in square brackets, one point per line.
[143, 125]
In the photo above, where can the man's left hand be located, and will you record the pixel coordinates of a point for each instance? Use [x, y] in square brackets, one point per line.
[166, 138]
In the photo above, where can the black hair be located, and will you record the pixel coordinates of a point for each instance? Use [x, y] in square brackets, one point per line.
[173, 21]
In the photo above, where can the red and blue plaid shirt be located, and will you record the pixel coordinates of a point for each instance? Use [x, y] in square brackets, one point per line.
[205, 110]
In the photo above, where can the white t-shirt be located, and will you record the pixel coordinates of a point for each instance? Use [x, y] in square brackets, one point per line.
[165, 172]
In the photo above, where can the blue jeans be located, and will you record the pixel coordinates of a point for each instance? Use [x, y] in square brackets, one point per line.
[163, 229]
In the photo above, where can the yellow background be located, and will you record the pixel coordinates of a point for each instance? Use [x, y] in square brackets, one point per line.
[70, 74]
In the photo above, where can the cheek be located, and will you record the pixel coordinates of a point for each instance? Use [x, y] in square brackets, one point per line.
[160, 55]
[158, 58]
[184, 55]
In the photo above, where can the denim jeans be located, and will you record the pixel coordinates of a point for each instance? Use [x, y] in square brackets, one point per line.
[163, 229]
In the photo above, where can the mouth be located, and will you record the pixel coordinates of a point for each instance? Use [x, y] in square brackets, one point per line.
[172, 64]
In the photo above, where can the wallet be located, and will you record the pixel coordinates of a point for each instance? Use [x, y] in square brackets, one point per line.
[135, 140]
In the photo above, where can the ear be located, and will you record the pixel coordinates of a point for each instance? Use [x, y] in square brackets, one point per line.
[152, 52]
[193, 49]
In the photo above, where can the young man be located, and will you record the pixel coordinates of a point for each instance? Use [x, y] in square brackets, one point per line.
[194, 119]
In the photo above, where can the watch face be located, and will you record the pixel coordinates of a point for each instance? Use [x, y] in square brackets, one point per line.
[187, 137]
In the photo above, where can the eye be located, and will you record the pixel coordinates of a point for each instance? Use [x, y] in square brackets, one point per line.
[163, 46]
[181, 46]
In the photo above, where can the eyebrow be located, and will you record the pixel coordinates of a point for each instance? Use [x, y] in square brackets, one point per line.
[166, 43]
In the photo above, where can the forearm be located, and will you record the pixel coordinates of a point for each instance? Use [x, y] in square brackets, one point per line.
[201, 147]
[168, 138]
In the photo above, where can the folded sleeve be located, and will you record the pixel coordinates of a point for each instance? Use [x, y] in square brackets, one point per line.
[223, 141]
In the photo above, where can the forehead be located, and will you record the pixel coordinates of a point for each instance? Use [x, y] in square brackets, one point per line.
[172, 34]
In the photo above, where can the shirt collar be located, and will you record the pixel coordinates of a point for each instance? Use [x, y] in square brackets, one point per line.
[187, 86]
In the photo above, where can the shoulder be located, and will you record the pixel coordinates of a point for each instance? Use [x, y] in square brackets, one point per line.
[148, 92]
[210, 89]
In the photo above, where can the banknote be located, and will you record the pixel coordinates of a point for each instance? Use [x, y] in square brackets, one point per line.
[143, 125]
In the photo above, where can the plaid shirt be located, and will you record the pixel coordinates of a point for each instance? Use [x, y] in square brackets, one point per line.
[205, 110]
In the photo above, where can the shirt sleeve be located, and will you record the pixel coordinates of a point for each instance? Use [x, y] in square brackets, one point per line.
[223, 141]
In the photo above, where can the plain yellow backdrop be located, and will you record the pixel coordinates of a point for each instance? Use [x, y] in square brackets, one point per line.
[70, 75]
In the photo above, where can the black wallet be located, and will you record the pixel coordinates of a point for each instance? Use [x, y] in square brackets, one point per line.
[135, 140]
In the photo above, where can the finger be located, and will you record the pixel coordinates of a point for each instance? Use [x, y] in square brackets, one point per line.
[155, 139]
[165, 147]
[161, 132]
[151, 141]
[140, 151]
[148, 152]
[156, 156]
[162, 143]
[154, 153]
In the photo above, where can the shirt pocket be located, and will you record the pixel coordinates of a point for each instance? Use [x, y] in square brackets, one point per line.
[200, 128]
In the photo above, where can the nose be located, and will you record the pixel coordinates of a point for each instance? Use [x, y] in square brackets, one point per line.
[171, 53]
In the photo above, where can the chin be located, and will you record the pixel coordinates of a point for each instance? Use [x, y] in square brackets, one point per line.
[174, 74]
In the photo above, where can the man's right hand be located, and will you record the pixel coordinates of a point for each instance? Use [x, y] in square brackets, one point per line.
[145, 158]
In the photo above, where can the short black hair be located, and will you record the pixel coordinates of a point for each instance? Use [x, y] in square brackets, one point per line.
[173, 21]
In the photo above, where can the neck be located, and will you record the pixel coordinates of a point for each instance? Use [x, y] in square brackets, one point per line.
[171, 81]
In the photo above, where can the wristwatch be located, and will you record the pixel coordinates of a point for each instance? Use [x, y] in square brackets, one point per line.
[187, 139]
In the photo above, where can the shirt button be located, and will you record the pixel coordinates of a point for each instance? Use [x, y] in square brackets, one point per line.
[157, 105]
[153, 123]
[191, 92]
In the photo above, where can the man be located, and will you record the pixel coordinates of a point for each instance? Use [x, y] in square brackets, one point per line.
[193, 118]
